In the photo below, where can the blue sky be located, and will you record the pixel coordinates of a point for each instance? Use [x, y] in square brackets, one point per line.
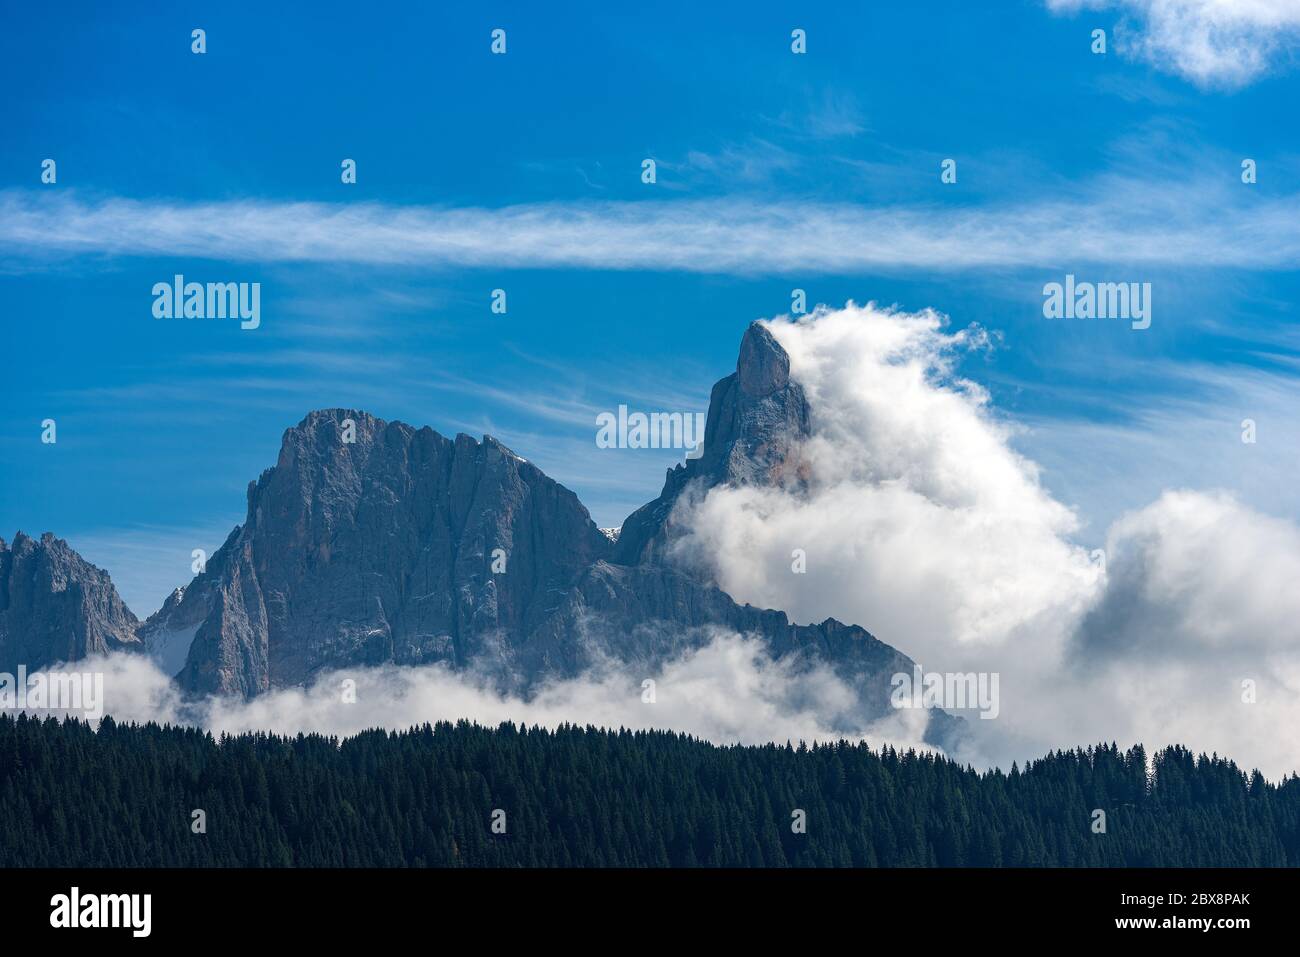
[522, 172]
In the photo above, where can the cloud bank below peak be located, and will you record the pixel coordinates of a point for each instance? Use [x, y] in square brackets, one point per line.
[729, 691]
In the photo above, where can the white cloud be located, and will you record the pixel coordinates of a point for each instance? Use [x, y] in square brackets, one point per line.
[922, 524]
[1210, 42]
[727, 692]
[1197, 573]
[1201, 597]
[1161, 221]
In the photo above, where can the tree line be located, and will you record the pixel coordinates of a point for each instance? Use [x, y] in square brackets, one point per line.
[461, 794]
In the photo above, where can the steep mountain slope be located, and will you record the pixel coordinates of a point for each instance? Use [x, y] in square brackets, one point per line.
[757, 418]
[371, 541]
[56, 607]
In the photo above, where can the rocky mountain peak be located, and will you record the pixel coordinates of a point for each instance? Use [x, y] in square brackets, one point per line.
[372, 542]
[758, 420]
[763, 366]
[57, 607]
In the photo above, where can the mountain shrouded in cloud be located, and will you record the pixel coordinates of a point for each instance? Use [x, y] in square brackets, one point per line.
[920, 517]
[848, 438]
[915, 495]
[373, 544]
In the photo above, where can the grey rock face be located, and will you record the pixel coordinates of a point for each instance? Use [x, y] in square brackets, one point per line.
[647, 613]
[404, 546]
[763, 367]
[371, 542]
[169, 632]
[57, 607]
[757, 420]
[382, 549]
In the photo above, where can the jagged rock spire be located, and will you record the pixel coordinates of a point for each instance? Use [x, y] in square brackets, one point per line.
[763, 366]
[57, 607]
[758, 419]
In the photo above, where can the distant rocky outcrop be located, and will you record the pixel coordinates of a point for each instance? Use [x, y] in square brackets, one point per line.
[57, 607]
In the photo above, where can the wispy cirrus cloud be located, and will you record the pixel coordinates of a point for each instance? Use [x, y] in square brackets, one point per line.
[1153, 222]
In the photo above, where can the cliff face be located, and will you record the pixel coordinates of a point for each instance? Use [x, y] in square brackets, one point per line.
[56, 607]
[758, 416]
[371, 542]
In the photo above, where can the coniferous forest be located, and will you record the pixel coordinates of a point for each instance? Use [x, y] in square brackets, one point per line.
[125, 795]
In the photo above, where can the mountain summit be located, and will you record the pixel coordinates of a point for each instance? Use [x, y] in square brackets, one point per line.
[55, 606]
[758, 417]
[372, 542]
